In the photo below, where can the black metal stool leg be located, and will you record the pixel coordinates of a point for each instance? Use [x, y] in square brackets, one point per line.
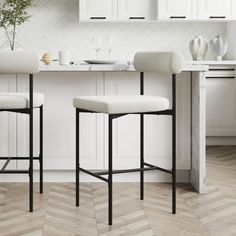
[110, 170]
[174, 146]
[31, 146]
[174, 169]
[77, 158]
[141, 156]
[41, 149]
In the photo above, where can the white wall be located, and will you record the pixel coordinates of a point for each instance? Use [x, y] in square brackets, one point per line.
[55, 26]
[231, 35]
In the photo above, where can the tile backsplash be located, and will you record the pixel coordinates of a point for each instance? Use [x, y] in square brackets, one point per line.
[55, 26]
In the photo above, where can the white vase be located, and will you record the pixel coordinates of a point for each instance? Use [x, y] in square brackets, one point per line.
[219, 47]
[198, 48]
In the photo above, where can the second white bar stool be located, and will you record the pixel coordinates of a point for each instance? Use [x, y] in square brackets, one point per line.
[117, 106]
[27, 63]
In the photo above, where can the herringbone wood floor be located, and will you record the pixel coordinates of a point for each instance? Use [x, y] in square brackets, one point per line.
[212, 213]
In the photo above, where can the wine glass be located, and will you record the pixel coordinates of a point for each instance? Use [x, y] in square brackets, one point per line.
[96, 45]
[109, 45]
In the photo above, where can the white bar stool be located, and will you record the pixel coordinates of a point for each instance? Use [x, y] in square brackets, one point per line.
[117, 106]
[23, 63]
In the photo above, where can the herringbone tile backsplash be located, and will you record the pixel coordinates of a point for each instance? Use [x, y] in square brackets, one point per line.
[55, 26]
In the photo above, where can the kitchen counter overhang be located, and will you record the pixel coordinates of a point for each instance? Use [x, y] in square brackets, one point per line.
[55, 67]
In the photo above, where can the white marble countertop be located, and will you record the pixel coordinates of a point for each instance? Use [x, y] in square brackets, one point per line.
[223, 62]
[55, 67]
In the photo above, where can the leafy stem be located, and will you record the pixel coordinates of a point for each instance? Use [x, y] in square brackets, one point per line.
[13, 13]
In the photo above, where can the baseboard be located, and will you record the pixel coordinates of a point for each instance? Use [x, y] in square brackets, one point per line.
[210, 140]
[69, 176]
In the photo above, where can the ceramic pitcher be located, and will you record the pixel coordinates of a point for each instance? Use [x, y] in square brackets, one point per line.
[198, 48]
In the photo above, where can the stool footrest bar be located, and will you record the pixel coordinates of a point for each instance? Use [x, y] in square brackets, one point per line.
[18, 158]
[93, 174]
[14, 172]
[126, 171]
[6, 163]
[158, 168]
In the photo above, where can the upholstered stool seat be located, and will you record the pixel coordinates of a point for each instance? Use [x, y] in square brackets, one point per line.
[122, 104]
[20, 100]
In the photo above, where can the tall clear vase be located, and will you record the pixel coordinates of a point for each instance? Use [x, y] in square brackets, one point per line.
[11, 43]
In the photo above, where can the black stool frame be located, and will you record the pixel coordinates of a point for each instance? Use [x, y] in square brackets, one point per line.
[143, 165]
[31, 158]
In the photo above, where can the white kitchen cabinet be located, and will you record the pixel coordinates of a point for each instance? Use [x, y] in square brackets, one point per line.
[136, 10]
[177, 9]
[216, 9]
[221, 105]
[98, 10]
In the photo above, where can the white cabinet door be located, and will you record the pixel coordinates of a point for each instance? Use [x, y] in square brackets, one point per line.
[221, 107]
[136, 9]
[98, 10]
[177, 9]
[215, 9]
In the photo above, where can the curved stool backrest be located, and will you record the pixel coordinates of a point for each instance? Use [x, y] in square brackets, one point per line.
[163, 62]
[19, 62]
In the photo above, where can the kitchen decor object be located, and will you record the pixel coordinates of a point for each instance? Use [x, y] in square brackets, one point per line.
[64, 57]
[219, 47]
[96, 45]
[198, 48]
[109, 45]
[13, 14]
[47, 58]
[11, 43]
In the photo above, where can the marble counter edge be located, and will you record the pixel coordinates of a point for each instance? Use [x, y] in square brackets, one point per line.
[102, 68]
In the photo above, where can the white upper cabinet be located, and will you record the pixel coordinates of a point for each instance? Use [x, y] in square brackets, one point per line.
[136, 10]
[98, 10]
[148, 10]
[177, 9]
[216, 9]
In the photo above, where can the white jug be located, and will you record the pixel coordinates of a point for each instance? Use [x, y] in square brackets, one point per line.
[198, 48]
[219, 47]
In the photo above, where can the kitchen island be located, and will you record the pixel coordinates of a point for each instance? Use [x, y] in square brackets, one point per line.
[61, 84]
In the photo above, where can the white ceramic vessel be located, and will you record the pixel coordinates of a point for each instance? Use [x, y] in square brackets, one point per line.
[198, 48]
[219, 47]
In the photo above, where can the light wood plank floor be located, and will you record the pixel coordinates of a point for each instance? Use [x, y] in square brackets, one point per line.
[212, 213]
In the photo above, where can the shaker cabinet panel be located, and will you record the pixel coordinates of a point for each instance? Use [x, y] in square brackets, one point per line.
[136, 10]
[94, 10]
[126, 149]
[221, 106]
[59, 121]
[177, 9]
[216, 9]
